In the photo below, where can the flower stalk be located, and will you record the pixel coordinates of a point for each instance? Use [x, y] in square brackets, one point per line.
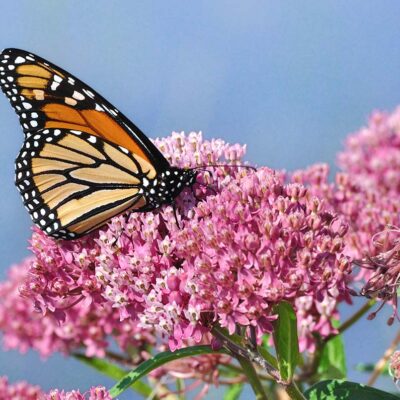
[352, 319]
[247, 353]
[356, 316]
[252, 377]
[380, 365]
[294, 392]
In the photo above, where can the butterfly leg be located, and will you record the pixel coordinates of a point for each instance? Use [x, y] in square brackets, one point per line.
[173, 204]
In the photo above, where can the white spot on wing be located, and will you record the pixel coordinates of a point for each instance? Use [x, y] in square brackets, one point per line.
[89, 93]
[78, 96]
[54, 85]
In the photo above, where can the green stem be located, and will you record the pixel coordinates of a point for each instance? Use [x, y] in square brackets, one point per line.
[245, 352]
[268, 356]
[231, 368]
[354, 318]
[312, 368]
[180, 387]
[357, 315]
[294, 392]
[252, 376]
[309, 368]
[247, 357]
[380, 365]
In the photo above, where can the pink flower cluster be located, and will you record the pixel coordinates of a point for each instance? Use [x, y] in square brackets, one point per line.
[370, 184]
[95, 393]
[372, 155]
[25, 391]
[86, 324]
[252, 241]
[90, 328]
[256, 243]
[394, 366]
[19, 391]
[366, 193]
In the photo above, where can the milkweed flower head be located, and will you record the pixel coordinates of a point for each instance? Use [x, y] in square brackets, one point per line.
[86, 325]
[372, 154]
[365, 210]
[95, 393]
[366, 194]
[25, 391]
[252, 241]
[370, 182]
[19, 390]
[92, 328]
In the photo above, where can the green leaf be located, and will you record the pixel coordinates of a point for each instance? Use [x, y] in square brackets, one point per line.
[229, 370]
[333, 359]
[233, 392]
[155, 362]
[113, 372]
[264, 351]
[344, 390]
[285, 340]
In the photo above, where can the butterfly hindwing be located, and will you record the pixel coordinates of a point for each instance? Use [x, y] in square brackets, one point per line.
[72, 181]
[45, 96]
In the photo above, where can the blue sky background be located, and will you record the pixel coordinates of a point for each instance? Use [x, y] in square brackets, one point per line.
[289, 78]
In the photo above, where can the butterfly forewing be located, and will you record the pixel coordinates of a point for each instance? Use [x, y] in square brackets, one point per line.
[46, 96]
[72, 182]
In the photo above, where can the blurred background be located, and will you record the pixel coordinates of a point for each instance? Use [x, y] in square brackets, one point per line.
[289, 78]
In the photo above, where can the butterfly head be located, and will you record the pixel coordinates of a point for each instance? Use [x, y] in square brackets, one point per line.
[169, 184]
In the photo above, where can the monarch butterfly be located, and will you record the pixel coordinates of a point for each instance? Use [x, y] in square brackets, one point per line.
[82, 161]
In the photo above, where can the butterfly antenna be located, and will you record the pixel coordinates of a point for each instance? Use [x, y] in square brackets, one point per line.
[204, 167]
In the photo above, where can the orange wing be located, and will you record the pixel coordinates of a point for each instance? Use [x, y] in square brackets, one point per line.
[72, 182]
[46, 96]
